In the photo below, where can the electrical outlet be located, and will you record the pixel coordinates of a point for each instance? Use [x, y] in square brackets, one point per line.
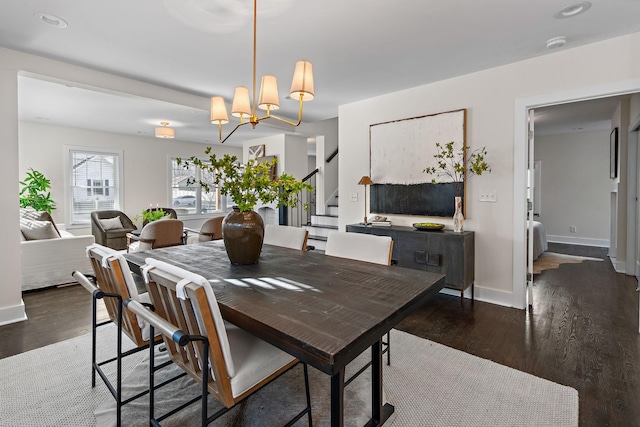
[354, 197]
[572, 229]
[488, 196]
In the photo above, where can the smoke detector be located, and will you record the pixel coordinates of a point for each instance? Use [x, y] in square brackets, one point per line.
[556, 42]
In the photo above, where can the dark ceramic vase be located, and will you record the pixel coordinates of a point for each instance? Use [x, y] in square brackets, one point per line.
[243, 233]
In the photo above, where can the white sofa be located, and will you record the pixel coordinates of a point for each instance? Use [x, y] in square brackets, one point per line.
[50, 262]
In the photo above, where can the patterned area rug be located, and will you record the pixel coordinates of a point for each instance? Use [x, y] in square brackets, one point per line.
[429, 384]
[552, 260]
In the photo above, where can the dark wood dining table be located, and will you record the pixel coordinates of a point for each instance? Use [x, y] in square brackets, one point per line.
[323, 310]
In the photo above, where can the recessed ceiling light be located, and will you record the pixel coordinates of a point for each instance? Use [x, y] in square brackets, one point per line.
[556, 42]
[573, 10]
[50, 19]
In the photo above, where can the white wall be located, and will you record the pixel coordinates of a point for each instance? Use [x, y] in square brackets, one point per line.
[145, 163]
[575, 186]
[13, 62]
[490, 97]
[326, 133]
[11, 306]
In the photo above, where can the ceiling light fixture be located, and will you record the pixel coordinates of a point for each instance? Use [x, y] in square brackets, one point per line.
[165, 132]
[50, 19]
[573, 10]
[556, 42]
[301, 89]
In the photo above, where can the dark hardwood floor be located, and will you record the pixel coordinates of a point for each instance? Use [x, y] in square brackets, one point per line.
[582, 332]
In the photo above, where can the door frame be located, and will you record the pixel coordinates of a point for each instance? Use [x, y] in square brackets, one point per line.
[520, 144]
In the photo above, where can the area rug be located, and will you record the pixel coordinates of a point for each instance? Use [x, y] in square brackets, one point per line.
[429, 384]
[552, 260]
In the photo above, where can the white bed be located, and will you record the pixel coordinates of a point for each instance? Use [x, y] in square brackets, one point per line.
[539, 239]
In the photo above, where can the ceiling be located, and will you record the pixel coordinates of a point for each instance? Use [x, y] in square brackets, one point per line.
[359, 49]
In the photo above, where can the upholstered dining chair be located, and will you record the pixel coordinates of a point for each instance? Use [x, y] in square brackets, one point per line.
[196, 336]
[157, 234]
[170, 212]
[362, 247]
[211, 229]
[114, 283]
[286, 236]
[110, 228]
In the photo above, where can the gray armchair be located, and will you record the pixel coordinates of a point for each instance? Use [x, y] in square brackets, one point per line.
[108, 231]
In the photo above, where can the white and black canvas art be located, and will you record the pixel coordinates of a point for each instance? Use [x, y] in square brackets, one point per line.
[400, 151]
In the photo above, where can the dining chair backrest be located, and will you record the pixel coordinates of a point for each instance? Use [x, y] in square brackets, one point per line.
[161, 234]
[114, 277]
[361, 247]
[211, 229]
[286, 236]
[187, 301]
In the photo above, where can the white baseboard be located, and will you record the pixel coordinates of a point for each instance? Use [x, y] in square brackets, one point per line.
[602, 243]
[618, 266]
[492, 296]
[13, 314]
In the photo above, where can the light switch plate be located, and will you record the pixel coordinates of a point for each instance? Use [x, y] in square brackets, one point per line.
[488, 196]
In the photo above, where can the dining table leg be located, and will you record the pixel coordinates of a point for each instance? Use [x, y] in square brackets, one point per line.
[380, 411]
[337, 399]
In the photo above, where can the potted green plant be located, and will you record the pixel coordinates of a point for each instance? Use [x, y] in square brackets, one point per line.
[456, 165]
[35, 194]
[246, 184]
[150, 215]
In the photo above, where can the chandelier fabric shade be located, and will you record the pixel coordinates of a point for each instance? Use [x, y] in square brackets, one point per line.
[165, 132]
[245, 105]
[241, 105]
[218, 111]
[302, 84]
[269, 99]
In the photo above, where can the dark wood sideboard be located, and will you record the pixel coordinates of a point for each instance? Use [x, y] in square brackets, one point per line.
[444, 252]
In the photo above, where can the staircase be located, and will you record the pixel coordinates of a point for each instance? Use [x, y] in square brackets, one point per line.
[321, 225]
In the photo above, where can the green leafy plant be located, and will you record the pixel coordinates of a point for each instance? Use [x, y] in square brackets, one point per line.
[35, 194]
[150, 215]
[457, 164]
[248, 183]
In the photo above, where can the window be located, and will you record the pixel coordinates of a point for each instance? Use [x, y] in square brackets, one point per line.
[94, 178]
[191, 197]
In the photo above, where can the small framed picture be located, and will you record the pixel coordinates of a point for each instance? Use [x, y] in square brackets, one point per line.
[613, 154]
[256, 151]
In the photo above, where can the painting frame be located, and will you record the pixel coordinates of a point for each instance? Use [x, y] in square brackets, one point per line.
[400, 150]
[613, 154]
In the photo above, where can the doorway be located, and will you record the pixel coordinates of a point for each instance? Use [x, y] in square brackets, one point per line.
[521, 134]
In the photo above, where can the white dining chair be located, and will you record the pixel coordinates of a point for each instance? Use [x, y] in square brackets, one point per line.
[286, 236]
[362, 247]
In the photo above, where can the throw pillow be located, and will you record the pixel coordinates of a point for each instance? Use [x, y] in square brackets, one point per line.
[38, 230]
[32, 214]
[111, 223]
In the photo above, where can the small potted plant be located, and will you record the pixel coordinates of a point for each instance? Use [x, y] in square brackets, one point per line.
[246, 184]
[456, 165]
[35, 194]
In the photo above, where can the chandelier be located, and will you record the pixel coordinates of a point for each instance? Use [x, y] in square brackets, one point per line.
[243, 108]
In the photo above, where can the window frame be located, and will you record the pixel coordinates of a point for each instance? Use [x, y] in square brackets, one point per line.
[118, 186]
[198, 193]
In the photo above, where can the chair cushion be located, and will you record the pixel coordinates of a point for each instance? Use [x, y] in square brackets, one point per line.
[111, 223]
[38, 230]
[253, 359]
